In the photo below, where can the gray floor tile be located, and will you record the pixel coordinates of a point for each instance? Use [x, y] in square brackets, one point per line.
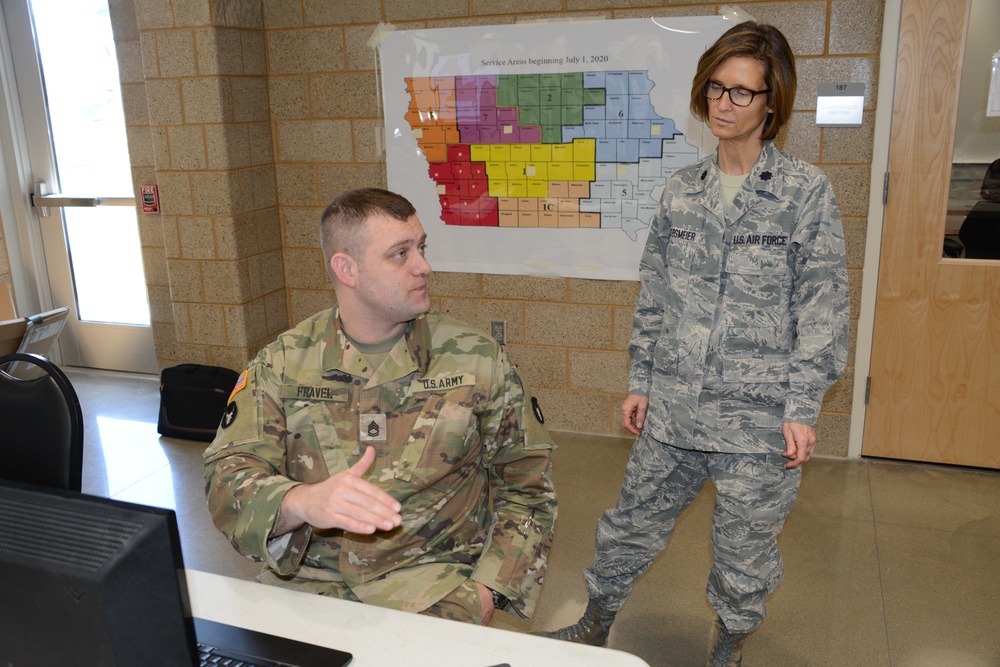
[941, 497]
[942, 596]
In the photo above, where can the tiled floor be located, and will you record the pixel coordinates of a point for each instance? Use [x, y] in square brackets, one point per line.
[886, 563]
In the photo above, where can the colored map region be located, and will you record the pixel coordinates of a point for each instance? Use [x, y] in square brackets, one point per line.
[568, 150]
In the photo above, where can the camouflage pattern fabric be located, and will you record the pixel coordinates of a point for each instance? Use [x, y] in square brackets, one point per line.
[462, 604]
[458, 445]
[754, 494]
[740, 325]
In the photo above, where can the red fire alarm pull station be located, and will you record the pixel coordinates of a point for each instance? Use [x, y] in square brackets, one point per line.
[150, 199]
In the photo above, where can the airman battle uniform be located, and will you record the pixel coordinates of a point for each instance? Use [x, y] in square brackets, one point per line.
[459, 444]
[741, 325]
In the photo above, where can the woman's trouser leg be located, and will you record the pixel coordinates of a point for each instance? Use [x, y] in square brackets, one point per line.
[660, 482]
[754, 494]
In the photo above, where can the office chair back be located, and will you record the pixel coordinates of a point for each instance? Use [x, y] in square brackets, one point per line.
[41, 426]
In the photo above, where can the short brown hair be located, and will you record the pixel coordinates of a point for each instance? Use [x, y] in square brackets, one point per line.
[342, 225]
[765, 44]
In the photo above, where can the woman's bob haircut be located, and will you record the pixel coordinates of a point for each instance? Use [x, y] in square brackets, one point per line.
[766, 45]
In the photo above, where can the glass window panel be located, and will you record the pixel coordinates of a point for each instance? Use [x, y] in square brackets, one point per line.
[104, 247]
[83, 95]
[972, 225]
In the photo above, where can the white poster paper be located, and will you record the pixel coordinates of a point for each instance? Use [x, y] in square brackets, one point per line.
[542, 148]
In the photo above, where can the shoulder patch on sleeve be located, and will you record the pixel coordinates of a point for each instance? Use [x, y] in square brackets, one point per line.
[241, 383]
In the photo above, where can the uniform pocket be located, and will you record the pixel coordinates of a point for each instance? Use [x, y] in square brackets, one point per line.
[313, 447]
[757, 261]
[680, 254]
[755, 368]
[756, 315]
[757, 277]
[447, 424]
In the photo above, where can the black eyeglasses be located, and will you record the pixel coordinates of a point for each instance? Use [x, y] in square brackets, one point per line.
[741, 97]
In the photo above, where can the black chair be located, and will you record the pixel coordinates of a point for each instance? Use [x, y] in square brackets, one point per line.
[41, 426]
[980, 232]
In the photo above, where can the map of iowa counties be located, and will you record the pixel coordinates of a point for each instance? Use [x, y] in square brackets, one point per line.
[568, 150]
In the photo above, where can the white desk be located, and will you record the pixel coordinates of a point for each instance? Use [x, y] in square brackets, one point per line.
[381, 637]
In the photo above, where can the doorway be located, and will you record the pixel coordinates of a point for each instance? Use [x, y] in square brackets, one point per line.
[64, 111]
[934, 391]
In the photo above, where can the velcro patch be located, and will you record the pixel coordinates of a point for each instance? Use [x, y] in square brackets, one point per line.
[442, 382]
[241, 383]
[314, 393]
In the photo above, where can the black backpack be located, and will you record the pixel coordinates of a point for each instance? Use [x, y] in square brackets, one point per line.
[192, 400]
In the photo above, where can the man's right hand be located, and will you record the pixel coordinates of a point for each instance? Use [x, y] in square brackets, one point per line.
[344, 501]
[634, 413]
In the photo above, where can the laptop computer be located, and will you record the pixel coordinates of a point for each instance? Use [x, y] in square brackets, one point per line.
[93, 581]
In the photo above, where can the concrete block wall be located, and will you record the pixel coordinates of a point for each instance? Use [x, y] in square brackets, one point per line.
[251, 115]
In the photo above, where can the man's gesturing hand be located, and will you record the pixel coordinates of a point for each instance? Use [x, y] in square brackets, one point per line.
[344, 501]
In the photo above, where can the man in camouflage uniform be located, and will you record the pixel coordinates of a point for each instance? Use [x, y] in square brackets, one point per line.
[740, 328]
[381, 454]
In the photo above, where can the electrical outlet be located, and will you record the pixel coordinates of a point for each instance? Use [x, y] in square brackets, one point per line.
[498, 329]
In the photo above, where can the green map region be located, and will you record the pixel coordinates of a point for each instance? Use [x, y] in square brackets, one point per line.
[568, 150]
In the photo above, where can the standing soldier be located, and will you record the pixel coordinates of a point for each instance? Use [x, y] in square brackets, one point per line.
[740, 328]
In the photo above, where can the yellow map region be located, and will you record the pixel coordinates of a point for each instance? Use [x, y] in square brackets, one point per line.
[523, 170]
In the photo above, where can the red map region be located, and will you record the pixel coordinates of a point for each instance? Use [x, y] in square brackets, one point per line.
[448, 114]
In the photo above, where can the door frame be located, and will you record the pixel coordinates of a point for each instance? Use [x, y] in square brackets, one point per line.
[41, 272]
[29, 276]
[876, 211]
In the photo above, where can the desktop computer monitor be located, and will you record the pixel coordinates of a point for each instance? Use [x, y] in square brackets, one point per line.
[90, 581]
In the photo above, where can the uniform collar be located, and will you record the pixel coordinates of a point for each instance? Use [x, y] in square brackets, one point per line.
[764, 177]
[763, 182]
[410, 353]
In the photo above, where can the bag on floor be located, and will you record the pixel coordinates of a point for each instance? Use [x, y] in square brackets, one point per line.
[192, 400]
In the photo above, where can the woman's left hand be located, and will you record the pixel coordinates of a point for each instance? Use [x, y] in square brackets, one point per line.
[800, 440]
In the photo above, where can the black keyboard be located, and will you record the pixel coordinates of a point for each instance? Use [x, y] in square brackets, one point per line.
[213, 656]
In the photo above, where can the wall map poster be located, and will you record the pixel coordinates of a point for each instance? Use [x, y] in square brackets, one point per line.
[542, 148]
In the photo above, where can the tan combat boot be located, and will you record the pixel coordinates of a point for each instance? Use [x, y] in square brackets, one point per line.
[591, 629]
[727, 647]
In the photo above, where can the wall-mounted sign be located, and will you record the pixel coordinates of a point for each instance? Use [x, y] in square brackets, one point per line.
[840, 104]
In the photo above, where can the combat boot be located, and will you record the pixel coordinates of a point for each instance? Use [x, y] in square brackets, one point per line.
[727, 647]
[591, 629]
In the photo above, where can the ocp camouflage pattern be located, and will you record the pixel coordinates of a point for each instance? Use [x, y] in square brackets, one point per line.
[468, 462]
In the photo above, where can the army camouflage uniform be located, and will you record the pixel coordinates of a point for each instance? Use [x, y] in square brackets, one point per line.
[458, 444]
[741, 325]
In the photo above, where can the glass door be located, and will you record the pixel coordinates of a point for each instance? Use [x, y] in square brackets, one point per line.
[63, 57]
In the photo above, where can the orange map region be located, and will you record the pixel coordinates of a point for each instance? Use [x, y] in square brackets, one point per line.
[569, 150]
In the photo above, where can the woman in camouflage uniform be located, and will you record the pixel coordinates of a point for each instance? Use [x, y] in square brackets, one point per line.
[740, 328]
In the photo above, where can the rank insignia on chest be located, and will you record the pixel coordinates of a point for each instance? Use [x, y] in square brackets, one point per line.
[373, 428]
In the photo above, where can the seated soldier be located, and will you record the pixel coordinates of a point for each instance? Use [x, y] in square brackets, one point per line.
[383, 454]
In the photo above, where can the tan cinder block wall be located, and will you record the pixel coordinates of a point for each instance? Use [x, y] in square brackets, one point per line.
[251, 115]
[195, 90]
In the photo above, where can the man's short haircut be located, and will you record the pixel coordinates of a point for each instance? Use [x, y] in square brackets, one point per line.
[342, 226]
[766, 45]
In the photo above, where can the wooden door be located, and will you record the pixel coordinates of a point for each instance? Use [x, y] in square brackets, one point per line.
[935, 366]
